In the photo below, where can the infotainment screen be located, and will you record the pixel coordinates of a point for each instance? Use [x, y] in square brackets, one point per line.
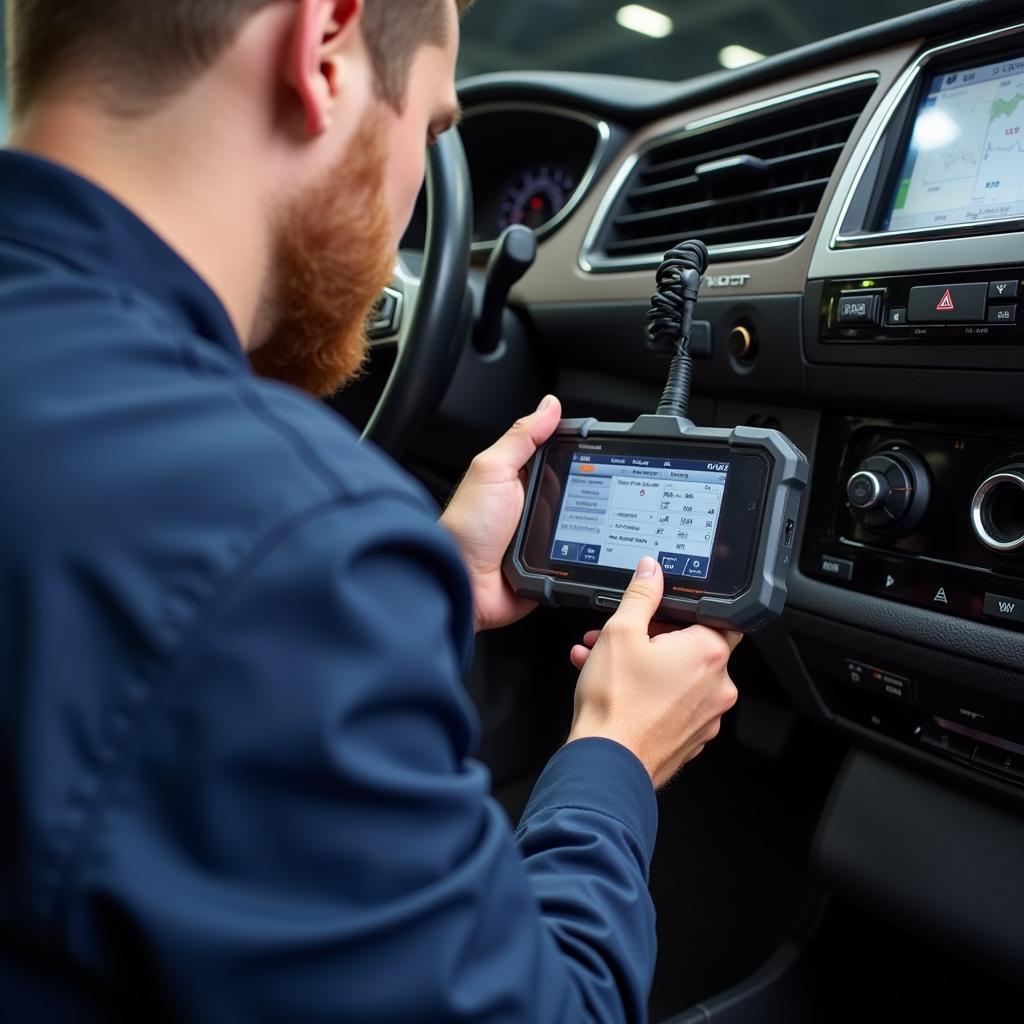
[965, 158]
[618, 508]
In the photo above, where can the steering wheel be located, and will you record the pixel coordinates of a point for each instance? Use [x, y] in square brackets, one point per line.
[427, 311]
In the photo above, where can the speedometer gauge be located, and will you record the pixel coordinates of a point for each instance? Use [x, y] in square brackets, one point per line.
[536, 196]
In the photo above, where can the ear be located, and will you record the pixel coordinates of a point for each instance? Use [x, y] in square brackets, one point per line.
[323, 29]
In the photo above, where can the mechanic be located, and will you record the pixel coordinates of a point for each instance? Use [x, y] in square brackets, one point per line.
[238, 781]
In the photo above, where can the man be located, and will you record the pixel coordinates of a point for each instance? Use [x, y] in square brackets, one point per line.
[237, 760]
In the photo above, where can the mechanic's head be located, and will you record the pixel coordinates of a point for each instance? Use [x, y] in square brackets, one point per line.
[331, 103]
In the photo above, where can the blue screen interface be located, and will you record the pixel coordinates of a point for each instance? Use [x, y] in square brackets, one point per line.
[618, 508]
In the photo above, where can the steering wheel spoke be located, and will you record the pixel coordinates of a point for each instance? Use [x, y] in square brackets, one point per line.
[391, 319]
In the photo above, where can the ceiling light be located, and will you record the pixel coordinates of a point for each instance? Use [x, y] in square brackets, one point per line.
[736, 56]
[638, 18]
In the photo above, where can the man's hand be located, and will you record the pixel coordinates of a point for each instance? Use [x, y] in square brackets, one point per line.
[661, 696]
[485, 511]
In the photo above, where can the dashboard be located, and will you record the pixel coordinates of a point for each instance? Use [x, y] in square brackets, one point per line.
[863, 201]
[529, 165]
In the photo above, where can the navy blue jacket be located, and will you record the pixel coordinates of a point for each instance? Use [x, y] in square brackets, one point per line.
[237, 780]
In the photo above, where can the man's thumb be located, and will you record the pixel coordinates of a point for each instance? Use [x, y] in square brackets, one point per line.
[644, 593]
[517, 446]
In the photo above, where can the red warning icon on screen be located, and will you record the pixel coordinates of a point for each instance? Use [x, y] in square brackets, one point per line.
[945, 303]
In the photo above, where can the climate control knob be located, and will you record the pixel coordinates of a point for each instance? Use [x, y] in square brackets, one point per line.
[997, 510]
[866, 490]
[890, 490]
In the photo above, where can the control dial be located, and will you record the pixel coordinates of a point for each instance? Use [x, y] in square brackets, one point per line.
[997, 510]
[867, 489]
[890, 490]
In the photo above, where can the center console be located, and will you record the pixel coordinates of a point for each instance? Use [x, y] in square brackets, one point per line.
[922, 515]
[916, 275]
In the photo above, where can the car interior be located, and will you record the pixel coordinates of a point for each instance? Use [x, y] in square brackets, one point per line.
[852, 846]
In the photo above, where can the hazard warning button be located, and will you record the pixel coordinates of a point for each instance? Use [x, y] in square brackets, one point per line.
[947, 303]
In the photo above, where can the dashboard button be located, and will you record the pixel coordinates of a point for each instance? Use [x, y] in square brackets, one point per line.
[945, 741]
[386, 317]
[1000, 607]
[858, 308]
[1002, 314]
[879, 681]
[953, 303]
[611, 601]
[701, 340]
[897, 317]
[1003, 290]
[839, 568]
[1000, 761]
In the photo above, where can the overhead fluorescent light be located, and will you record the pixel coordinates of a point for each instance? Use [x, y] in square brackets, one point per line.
[736, 56]
[647, 22]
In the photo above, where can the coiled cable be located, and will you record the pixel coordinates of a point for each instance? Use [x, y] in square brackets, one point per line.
[670, 319]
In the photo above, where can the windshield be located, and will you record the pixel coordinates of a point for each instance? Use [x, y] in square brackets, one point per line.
[667, 39]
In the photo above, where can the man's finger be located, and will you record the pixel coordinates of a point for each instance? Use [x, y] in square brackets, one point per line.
[655, 630]
[578, 655]
[732, 638]
[642, 596]
[517, 446]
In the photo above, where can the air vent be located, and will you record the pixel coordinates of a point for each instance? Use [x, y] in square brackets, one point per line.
[749, 184]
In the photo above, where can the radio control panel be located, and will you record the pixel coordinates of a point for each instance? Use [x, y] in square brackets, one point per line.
[921, 515]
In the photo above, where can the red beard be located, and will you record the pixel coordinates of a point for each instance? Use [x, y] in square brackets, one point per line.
[333, 258]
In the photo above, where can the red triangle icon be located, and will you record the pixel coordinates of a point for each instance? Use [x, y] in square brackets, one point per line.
[945, 303]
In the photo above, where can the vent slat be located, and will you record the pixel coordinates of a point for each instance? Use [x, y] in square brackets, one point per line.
[798, 145]
[774, 164]
[793, 134]
[785, 227]
[709, 204]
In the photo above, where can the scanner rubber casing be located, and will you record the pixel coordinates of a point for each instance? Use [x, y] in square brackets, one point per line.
[756, 606]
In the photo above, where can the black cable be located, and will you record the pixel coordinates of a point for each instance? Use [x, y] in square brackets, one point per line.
[670, 319]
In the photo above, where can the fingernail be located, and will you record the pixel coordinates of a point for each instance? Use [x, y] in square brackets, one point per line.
[545, 403]
[646, 569]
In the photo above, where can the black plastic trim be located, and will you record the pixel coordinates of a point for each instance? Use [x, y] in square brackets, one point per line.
[998, 647]
[928, 859]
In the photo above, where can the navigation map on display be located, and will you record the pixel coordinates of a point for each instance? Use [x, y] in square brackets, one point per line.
[966, 158]
[617, 509]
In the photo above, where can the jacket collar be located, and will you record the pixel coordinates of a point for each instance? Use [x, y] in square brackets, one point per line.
[52, 210]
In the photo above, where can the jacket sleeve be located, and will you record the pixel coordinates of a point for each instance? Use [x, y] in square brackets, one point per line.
[303, 835]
